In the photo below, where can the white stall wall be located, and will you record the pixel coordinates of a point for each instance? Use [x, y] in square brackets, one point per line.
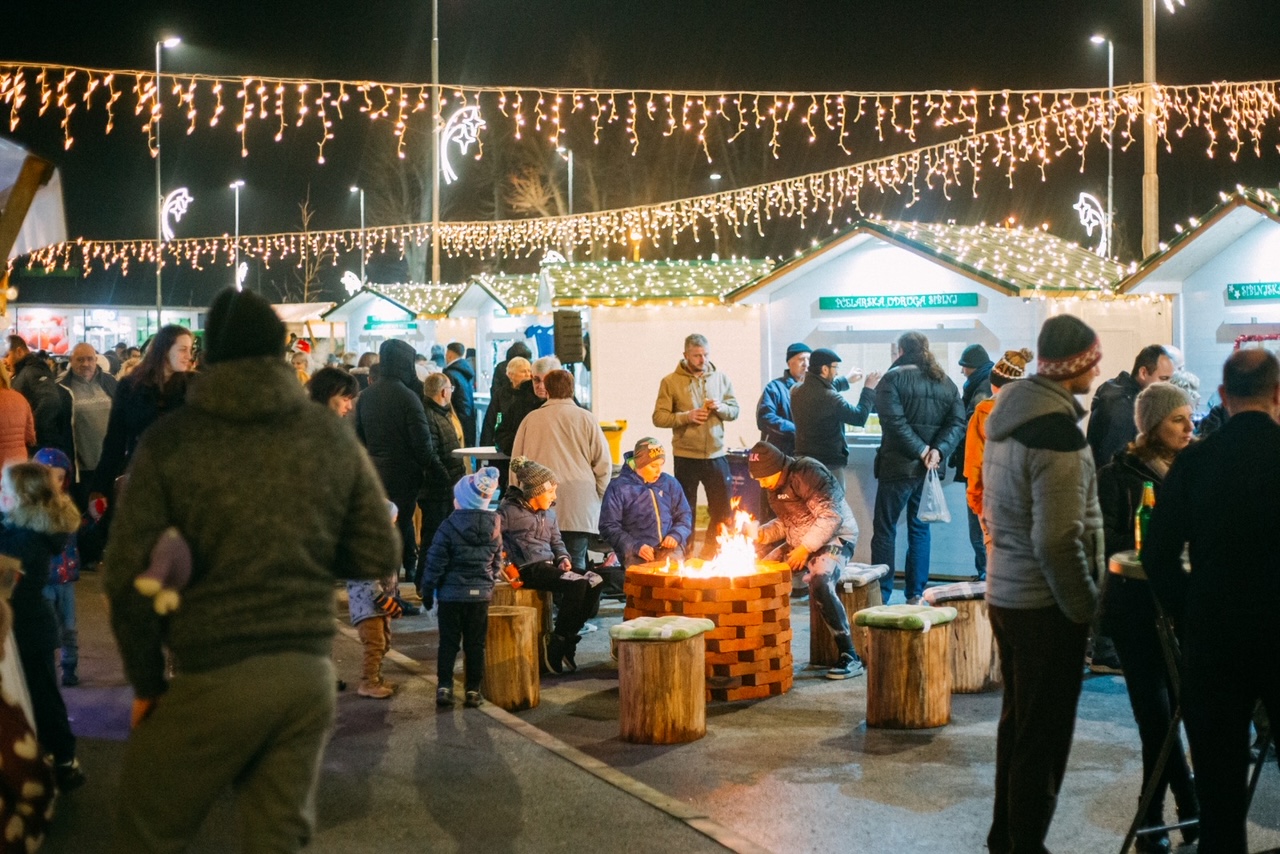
[1123, 327]
[633, 348]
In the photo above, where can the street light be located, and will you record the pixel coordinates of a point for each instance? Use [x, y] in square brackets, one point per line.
[235, 264]
[1111, 152]
[170, 42]
[715, 176]
[360, 190]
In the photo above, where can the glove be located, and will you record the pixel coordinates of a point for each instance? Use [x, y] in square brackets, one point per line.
[428, 600]
[388, 605]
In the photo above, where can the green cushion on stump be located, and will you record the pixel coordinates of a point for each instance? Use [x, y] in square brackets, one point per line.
[916, 618]
[661, 628]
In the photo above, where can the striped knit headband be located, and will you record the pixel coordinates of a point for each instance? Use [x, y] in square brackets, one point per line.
[1070, 367]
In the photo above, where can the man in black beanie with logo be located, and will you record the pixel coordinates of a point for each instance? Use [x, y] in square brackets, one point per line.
[253, 701]
[1040, 507]
[821, 411]
[818, 526]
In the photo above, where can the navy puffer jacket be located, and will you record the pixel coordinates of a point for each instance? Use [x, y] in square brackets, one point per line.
[465, 557]
[635, 514]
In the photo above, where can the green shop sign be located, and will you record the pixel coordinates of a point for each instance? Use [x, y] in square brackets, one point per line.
[862, 303]
[1254, 290]
[372, 323]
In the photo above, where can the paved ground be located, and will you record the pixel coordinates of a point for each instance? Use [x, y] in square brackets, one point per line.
[796, 773]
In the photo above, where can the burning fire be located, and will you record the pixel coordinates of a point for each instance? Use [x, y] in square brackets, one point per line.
[737, 555]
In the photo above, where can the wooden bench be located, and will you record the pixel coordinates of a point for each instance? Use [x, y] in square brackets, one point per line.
[908, 670]
[511, 658]
[975, 659]
[662, 679]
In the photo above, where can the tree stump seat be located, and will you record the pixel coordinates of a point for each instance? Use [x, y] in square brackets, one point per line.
[975, 659]
[662, 688]
[511, 679]
[908, 669]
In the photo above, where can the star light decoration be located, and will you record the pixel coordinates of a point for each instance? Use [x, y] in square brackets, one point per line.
[462, 128]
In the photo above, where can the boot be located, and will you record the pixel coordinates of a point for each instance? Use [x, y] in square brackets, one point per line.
[553, 653]
[570, 649]
[372, 685]
[375, 690]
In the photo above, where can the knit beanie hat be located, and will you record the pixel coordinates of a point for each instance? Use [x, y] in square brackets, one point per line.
[532, 477]
[1012, 365]
[765, 460]
[1154, 404]
[1068, 348]
[647, 450]
[821, 358]
[798, 348]
[974, 356]
[242, 325]
[475, 491]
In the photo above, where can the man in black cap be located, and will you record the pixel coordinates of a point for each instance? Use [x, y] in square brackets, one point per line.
[818, 526]
[976, 366]
[773, 412]
[253, 701]
[821, 411]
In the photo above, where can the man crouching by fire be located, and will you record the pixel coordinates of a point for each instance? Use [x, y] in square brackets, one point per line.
[814, 518]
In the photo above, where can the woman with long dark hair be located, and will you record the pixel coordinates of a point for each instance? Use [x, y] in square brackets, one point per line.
[157, 386]
[1162, 413]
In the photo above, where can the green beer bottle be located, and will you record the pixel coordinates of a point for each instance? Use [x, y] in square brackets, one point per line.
[1143, 516]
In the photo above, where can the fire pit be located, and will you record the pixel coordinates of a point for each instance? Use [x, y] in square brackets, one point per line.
[749, 651]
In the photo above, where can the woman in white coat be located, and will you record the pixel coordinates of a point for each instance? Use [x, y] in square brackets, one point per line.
[567, 439]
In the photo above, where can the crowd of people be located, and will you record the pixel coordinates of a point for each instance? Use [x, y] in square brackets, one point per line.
[144, 466]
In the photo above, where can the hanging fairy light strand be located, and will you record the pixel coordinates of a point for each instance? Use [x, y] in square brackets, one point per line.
[282, 105]
[1240, 113]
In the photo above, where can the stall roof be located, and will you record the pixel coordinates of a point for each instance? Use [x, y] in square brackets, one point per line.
[1016, 261]
[426, 301]
[1230, 219]
[515, 293]
[631, 283]
[301, 312]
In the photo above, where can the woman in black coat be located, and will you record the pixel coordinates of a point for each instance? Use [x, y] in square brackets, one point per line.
[435, 498]
[1163, 416]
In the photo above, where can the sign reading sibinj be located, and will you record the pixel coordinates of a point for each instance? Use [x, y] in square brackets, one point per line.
[862, 303]
[1254, 290]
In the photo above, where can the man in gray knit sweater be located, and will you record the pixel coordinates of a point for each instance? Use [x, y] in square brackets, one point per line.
[253, 700]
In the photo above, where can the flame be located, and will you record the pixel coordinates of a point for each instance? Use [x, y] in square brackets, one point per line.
[737, 555]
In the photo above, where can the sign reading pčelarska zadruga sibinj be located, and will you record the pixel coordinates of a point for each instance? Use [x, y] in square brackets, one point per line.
[1253, 290]
[863, 303]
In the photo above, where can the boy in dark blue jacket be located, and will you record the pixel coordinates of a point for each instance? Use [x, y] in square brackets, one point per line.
[645, 515]
[462, 564]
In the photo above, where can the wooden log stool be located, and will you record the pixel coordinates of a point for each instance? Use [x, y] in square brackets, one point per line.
[511, 658]
[908, 669]
[539, 600]
[975, 659]
[858, 588]
[662, 679]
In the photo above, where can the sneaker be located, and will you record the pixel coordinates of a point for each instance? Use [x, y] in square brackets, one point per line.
[473, 700]
[70, 679]
[570, 649]
[1106, 665]
[916, 600]
[848, 666]
[444, 696]
[553, 653]
[375, 690]
[68, 775]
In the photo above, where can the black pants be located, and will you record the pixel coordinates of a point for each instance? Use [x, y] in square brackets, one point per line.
[1227, 668]
[714, 476]
[578, 599]
[1041, 653]
[1129, 618]
[50, 711]
[462, 625]
[434, 512]
[405, 505]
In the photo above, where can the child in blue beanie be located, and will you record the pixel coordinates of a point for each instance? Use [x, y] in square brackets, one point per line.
[462, 564]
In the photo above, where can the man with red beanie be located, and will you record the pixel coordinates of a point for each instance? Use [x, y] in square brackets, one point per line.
[1040, 508]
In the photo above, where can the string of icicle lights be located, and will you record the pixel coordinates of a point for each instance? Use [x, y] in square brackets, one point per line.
[1240, 113]
[253, 107]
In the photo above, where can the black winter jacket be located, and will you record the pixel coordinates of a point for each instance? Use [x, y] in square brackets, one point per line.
[463, 377]
[37, 384]
[977, 388]
[134, 408]
[392, 423]
[35, 628]
[445, 441]
[916, 414]
[465, 557]
[500, 392]
[1111, 425]
[1120, 494]
[522, 402]
[820, 413]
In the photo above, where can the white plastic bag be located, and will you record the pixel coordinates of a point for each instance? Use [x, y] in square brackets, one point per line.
[933, 504]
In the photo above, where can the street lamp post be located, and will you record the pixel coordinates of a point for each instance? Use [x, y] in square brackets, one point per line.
[567, 154]
[360, 190]
[435, 144]
[1111, 151]
[170, 42]
[235, 264]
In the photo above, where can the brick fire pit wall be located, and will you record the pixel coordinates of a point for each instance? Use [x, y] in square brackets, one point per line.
[749, 651]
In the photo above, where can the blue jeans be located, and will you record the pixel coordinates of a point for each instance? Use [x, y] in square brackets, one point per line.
[891, 497]
[576, 542]
[63, 599]
[823, 575]
[978, 542]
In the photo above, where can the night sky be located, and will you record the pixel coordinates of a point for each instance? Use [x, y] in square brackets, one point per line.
[793, 45]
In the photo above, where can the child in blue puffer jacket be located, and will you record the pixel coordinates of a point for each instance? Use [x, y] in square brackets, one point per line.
[463, 563]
